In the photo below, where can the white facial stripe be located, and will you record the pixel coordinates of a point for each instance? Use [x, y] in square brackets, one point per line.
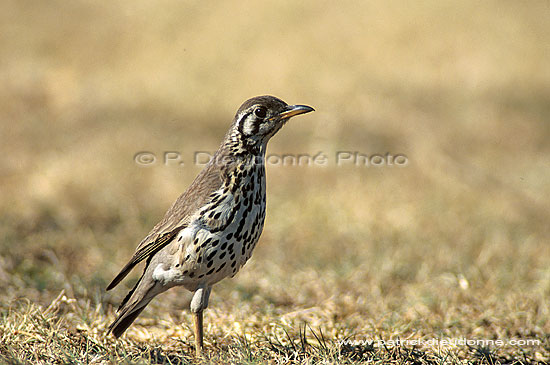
[247, 121]
[242, 123]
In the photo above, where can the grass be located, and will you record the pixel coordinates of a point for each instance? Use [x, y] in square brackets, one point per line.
[453, 246]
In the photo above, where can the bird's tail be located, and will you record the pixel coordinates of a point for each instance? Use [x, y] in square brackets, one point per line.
[134, 303]
[123, 321]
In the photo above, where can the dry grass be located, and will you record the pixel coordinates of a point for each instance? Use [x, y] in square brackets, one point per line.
[453, 245]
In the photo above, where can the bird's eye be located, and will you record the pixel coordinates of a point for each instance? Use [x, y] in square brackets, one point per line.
[260, 112]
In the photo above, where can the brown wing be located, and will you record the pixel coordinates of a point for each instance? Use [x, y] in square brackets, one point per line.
[175, 219]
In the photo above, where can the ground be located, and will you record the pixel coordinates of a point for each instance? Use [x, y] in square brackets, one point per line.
[431, 249]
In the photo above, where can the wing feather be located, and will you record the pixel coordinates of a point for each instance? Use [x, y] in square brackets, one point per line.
[176, 218]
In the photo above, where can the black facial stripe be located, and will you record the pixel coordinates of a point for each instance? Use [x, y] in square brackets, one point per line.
[256, 125]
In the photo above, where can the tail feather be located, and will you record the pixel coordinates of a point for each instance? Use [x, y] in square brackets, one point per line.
[121, 324]
[130, 293]
[135, 302]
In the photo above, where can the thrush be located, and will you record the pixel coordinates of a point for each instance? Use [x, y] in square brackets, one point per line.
[210, 231]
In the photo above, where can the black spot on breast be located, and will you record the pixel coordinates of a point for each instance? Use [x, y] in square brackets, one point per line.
[216, 199]
[233, 263]
[199, 259]
[191, 274]
[221, 267]
[179, 238]
[229, 235]
[230, 248]
[222, 255]
[254, 226]
[215, 243]
[203, 245]
[210, 263]
[211, 255]
[232, 257]
[210, 271]
[223, 246]
[185, 272]
[217, 216]
[241, 224]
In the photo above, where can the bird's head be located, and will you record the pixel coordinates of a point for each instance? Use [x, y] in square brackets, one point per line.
[259, 118]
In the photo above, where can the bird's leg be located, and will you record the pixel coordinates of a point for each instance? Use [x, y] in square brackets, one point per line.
[197, 318]
[198, 304]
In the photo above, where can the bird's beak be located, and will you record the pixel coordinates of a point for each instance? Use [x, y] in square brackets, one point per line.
[293, 110]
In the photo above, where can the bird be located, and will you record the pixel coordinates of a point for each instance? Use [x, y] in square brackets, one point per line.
[211, 229]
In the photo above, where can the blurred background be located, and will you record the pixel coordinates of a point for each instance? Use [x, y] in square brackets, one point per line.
[453, 242]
